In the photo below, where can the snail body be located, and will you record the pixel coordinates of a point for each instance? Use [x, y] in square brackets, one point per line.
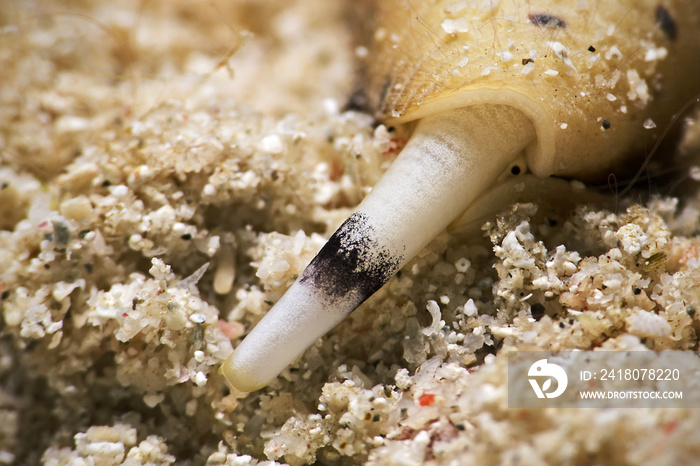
[485, 82]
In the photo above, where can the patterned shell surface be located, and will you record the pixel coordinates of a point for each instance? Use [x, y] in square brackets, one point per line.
[589, 73]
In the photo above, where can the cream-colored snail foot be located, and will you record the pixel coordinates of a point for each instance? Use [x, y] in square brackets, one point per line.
[450, 159]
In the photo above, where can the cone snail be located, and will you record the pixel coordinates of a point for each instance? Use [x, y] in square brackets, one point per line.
[569, 86]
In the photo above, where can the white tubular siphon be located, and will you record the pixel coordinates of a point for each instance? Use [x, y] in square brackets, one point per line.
[449, 161]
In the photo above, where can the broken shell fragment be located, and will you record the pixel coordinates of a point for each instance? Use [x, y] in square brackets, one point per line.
[475, 112]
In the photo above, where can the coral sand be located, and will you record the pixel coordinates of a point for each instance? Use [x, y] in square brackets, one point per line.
[169, 168]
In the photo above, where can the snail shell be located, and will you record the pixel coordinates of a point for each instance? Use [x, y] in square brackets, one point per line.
[486, 81]
[588, 74]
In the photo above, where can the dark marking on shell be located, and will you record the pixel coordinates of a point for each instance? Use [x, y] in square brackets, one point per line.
[666, 22]
[605, 124]
[353, 264]
[546, 20]
[528, 60]
[591, 48]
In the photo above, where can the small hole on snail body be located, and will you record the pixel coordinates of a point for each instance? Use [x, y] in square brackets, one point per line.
[515, 170]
